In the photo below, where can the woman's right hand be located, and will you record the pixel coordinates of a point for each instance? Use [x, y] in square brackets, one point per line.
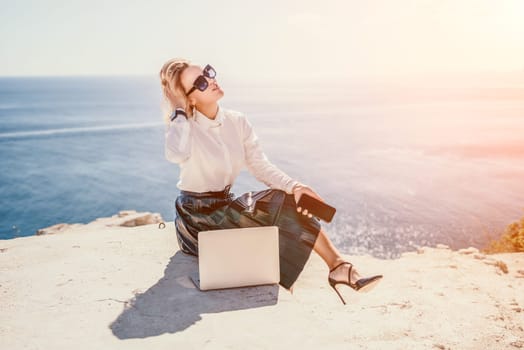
[177, 101]
[179, 104]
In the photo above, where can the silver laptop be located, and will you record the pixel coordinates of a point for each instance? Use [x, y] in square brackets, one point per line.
[239, 257]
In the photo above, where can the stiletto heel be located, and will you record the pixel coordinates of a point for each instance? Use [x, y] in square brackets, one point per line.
[336, 290]
[363, 284]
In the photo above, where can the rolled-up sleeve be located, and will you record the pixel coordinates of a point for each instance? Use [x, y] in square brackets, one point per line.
[258, 164]
[178, 140]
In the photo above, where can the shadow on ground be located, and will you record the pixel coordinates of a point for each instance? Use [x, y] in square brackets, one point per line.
[174, 303]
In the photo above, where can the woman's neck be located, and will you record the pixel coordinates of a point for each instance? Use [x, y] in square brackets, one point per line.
[209, 111]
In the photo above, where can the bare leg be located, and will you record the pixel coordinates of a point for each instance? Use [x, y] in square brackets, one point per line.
[327, 251]
[330, 254]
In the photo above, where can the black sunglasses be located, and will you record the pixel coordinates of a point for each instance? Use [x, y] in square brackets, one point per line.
[201, 82]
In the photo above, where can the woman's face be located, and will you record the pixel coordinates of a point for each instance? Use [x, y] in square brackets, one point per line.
[210, 95]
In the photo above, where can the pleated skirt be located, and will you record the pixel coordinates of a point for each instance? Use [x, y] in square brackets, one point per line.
[195, 212]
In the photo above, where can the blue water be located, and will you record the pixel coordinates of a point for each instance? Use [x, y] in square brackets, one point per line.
[404, 167]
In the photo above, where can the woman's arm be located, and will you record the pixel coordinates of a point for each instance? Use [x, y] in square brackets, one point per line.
[178, 140]
[258, 164]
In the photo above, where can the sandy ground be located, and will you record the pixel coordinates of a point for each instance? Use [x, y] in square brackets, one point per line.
[120, 287]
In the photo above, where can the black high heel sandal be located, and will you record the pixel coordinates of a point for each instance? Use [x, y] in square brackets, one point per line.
[363, 284]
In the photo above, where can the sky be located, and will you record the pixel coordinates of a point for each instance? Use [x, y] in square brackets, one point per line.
[270, 39]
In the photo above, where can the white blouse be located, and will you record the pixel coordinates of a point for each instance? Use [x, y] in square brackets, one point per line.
[211, 153]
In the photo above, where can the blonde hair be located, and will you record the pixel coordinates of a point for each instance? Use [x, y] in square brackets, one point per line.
[172, 86]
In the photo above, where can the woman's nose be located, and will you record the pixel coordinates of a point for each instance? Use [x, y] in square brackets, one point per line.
[212, 81]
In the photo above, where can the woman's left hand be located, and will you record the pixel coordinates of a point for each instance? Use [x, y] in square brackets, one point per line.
[299, 190]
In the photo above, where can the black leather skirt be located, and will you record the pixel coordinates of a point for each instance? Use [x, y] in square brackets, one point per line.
[195, 212]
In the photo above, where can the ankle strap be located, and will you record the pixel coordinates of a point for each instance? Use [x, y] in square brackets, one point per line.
[342, 263]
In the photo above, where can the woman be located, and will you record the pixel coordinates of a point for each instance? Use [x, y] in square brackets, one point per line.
[212, 144]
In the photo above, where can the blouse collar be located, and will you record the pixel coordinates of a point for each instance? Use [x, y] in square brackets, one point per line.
[210, 123]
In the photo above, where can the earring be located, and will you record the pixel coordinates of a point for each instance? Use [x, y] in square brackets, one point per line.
[194, 111]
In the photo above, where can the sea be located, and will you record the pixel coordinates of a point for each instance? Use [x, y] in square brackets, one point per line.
[406, 164]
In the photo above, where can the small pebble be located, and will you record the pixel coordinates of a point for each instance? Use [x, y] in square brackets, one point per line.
[469, 250]
[442, 246]
[502, 266]
[518, 344]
